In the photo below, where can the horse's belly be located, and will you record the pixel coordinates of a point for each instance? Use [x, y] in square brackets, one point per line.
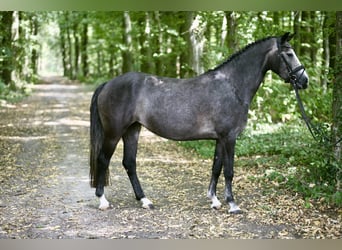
[181, 129]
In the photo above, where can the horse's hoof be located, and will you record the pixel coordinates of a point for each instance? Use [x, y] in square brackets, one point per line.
[107, 207]
[216, 206]
[150, 206]
[234, 209]
[104, 204]
[146, 203]
[237, 211]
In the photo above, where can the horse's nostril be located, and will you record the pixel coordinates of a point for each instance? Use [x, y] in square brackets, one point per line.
[304, 83]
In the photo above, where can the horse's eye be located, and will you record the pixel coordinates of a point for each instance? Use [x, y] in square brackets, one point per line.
[289, 54]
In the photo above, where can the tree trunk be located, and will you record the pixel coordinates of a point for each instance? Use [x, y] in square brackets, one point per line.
[65, 43]
[111, 71]
[190, 43]
[6, 18]
[195, 41]
[296, 28]
[99, 62]
[276, 18]
[326, 29]
[147, 64]
[198, 39]
[21, 40]
[337, 98]
[313, 43]
[332, 39]
[305, 32]
[231, 32]
[84, 45]
[159, 45]
[34, 53]
[69, 47]
[76, 49]
[127, 57]
[64, 53]
[184, 55]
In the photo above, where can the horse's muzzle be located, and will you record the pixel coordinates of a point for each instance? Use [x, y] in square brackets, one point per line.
[303, 83]
[298, 78]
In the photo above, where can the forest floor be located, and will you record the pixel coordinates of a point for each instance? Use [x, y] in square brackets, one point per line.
[45, 192]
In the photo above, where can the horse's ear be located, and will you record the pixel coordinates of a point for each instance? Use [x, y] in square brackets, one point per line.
[286, 37]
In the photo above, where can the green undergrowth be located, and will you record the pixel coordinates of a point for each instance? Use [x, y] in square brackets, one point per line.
[285, 155]
[14, 93]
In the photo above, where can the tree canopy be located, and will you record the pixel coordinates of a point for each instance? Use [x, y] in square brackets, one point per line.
[93, 47]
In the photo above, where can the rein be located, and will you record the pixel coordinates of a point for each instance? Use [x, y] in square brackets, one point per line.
[317, 132]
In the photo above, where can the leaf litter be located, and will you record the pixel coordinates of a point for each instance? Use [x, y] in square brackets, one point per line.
[45, 193]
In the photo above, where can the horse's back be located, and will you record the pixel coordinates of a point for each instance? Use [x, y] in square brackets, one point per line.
[179, 109]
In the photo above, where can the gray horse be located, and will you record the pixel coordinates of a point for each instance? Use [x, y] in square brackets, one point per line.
[213, 105]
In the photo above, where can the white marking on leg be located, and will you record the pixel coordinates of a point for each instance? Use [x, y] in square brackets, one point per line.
[104, 204]
[146, 203]
[215, 203]
[234, 208]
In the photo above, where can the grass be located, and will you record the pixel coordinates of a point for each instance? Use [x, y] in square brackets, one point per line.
[288, 156]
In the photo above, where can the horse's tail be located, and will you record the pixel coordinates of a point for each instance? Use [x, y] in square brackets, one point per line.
[96, 138]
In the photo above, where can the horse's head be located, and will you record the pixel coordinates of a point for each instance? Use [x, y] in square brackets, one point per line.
[287, 64]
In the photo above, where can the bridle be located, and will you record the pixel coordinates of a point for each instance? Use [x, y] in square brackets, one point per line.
[317, 132]
[292, 78]
[292, 72]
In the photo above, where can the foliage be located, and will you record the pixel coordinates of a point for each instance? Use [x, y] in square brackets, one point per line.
[276, 102]
[14, 93]
[19, 48]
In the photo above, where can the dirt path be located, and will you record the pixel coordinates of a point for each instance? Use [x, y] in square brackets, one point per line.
[45, 193]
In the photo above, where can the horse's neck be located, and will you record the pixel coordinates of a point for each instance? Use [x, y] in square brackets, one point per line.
[248, 71]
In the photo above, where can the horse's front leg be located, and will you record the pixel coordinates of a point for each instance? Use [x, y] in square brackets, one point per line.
[228, 171]
[216, 171]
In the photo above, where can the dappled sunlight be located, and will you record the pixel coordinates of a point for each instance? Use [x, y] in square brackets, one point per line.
[263, 128]
[163, 159]
[23, 138]
[53, 87]
[151, 137]
[67, 122]
[84, 178]
[7, 105]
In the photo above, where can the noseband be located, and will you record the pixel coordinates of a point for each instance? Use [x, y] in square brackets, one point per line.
[292, 72]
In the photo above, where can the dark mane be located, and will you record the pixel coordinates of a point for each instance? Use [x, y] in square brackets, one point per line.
[241, 51]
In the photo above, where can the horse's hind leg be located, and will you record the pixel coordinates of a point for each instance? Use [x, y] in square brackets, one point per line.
[130, 139]
[105, 155]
